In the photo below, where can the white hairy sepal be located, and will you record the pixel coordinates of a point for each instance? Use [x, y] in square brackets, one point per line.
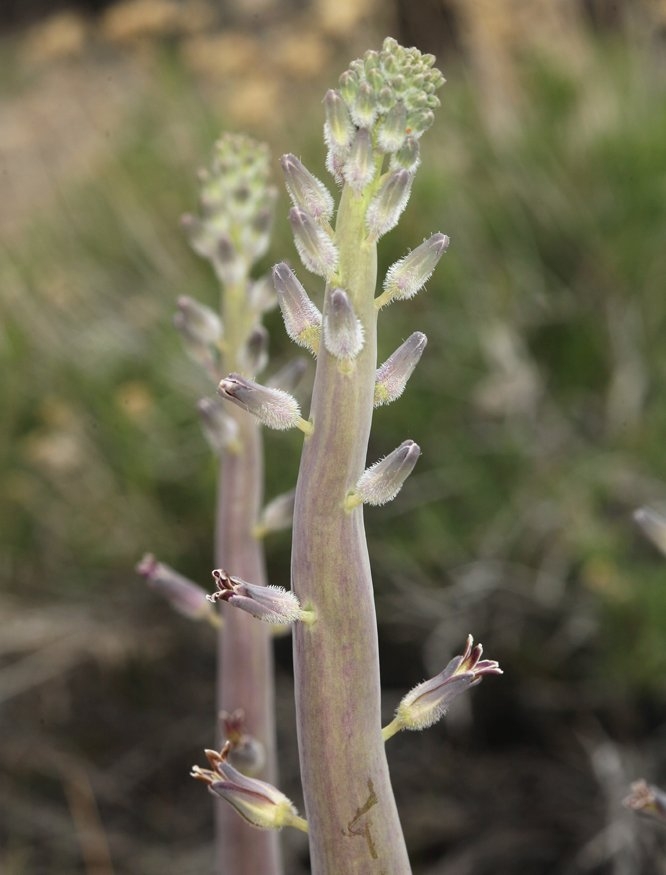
[272, 604]
[315, 247]
[408, 275]
[391, 377]
[381, 482]
[343, 332]
[359, 167]
[273, 407]
[305, 190]
[302, 319]
[389, 203]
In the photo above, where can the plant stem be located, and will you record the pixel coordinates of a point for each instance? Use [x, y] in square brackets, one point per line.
[353, 821]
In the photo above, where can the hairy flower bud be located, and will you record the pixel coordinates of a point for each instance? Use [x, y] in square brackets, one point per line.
[407, 276]
[277, 515]
[259, 803]
[428, 702]
[273, 407]
[184, 596]
[647, 799]
[343, 332]
[338, 128]
[269, 603]
[359, 168]
[253, 357]
[198, 324]
[302, 319]
[382, 481]
[392, 376]
[364, 108]
[315, 247]
[391, 130]
[653, 525]
[388, 204]
[220, 429]
[305, 190]
[408, 156]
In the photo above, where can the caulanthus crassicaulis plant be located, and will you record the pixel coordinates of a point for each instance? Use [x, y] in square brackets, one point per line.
[232, 232]
[374, 122]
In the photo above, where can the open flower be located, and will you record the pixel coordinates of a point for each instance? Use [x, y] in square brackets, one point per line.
[270, 603]
[260, 804]
[428, 702]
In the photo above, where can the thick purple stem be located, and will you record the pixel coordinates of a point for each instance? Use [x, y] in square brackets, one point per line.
[245, 658]
[353, 821]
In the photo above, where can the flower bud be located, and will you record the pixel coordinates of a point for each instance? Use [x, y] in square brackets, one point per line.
[315, 247]
[230, 267]
[254, 355]
[348, 86]
[184, 596]
[391, 131]
[220, 429]
[269, 603]
[302, 319]
[305, 190]
[343, 332]
[259, 803]
[428, 702]
[363, 109]
[338, 128]
[408, 156]
[359, 168]
[277, 515]
[407, 276]
[198, 324]
[382, 481]
[647, 799]
[392, 376]
[273, 407]
[261, 295]
[388, 204]
[653, 525]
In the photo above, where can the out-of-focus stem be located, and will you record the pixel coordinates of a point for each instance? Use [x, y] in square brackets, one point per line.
[353, 821]
[245, 660]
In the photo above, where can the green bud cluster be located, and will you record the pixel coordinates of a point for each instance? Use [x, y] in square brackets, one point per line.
[391, 94]
[236, 207]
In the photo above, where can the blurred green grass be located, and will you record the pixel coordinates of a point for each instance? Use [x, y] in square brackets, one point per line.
[539, 404]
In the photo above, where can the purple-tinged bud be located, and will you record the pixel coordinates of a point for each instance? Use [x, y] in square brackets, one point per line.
[277, 515]
[335, 162]
[220, 429]
[246, 753]
[259, 803]
[408, 156]
[269, 603]
[273, 407]
[428, 702]
[363, 110]
[359, 169]
[391, 377]
[302, 319]
[184, 596]
[229, 266]
[198, 324]
[653, 525]
[305, 190]
[338, 128]
[391, 131]
[256, 237]
[343, 332]
[382, 481]
[407, 276]
[388, 204]
[289, 376]
[315, 247]
[261, 295]
[254, 354]
[647, 799]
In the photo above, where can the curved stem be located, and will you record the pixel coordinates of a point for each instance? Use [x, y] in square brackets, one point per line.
[353, 821]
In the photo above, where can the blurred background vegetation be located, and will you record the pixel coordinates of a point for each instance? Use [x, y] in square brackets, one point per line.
[539, 405]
